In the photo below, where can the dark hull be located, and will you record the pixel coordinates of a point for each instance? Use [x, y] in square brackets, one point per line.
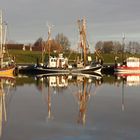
[42, 70]
[45, 70]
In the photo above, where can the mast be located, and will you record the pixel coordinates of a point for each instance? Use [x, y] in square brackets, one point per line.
[83, 40]
[1, 40]
[42, 52]
[123, 45]
[4, 39]
[49, 39]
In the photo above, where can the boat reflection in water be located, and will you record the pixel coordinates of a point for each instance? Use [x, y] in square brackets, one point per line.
[57, 83]
[51, 82]
[6, 83]
[129, 79]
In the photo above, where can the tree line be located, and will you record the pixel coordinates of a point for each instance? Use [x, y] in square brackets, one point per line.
[115, 47]
[61, 43]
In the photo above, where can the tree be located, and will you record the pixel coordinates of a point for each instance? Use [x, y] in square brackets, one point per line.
[133, 47]
[107, 47]
[63, 41]
[54, 46]
[117, 47]
[38, 42]
[99, 45]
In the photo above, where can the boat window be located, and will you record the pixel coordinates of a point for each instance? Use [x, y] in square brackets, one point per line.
[53, 60]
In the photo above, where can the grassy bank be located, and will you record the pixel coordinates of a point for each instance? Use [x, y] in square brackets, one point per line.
[31, 57]
[24, 56]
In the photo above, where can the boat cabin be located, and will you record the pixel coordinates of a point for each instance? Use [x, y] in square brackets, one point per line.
[133, 62]
[58, 62]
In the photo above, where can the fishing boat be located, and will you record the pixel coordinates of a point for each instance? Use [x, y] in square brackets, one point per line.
[85, 65]
[7, 65]
[130, 65]
[60, 63]
[55, 65]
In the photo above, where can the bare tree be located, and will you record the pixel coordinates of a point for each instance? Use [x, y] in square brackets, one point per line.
[63, 41]
[99, 45]
[133, 47]
[108, 47]
[117, 47]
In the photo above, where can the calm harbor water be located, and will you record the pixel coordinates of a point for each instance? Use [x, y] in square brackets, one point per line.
[70, 107]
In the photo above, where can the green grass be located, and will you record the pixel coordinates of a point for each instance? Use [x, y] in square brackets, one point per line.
[25, 56]
[31, 57]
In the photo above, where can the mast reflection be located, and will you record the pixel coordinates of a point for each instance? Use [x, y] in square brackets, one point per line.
[6, 83]
[49, 83]
[83, 95]
[56, 83]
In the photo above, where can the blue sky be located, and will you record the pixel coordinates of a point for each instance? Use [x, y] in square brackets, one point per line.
[106, 19]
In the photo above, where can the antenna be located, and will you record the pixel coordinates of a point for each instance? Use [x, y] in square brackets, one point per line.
[50, 26]
[123, 38]
[123, 45]
[49, 38]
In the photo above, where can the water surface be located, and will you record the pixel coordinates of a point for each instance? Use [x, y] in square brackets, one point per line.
[71, 108]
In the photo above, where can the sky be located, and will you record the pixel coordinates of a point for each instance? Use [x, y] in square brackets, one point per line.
[106, 19]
